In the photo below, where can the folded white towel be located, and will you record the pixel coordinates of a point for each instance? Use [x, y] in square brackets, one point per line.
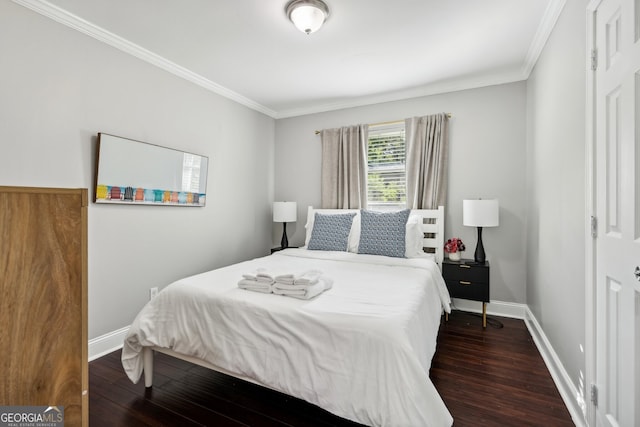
[286, 287]
[253, 275]
[312, 285]
[303, 291]
[255, 285]
[287, 278]
[270, 276]
[310, 277]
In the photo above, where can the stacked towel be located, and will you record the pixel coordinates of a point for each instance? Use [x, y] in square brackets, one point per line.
[255, 285]
[287, 278]
[265, 277]
[256, 281]
[253, 275]
[308, 278]
[309, 288]
[305, 285]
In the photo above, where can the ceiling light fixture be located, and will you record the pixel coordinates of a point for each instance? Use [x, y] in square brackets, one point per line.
[307, 15]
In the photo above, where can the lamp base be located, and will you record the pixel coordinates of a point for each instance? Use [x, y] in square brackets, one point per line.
[284, 243]
[479, 255]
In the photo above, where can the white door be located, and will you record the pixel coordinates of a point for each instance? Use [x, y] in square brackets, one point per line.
[617, 30]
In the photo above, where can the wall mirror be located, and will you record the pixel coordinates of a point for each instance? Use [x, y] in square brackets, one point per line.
[135, 172]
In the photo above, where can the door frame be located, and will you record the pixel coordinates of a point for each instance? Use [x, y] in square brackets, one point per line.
[591, 210]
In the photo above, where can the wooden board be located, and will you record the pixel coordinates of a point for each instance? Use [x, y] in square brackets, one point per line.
[43, 299]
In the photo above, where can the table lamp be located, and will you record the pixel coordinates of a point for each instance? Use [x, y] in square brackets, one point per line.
[285, 212]
[480, 213]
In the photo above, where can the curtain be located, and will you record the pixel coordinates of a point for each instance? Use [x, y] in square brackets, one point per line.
[427, 142]
[344, 167]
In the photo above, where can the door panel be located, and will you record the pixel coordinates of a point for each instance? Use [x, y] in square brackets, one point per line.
[618, 209]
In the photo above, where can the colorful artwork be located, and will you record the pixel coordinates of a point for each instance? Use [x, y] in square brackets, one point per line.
[134, 172]
[107, 193]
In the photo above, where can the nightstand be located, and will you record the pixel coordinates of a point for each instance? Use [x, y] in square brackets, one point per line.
[467, 279]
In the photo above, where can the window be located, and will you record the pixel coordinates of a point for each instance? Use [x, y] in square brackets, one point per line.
[386, 176]
[191, 165]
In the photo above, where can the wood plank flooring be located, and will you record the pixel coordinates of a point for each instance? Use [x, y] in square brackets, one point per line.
[492, 377]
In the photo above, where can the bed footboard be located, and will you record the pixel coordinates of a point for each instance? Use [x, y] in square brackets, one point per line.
[147, 361]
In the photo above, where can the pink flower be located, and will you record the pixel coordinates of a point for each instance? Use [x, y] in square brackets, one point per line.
[454, 245]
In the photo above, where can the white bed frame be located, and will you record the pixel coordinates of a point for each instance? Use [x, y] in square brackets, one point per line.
[435, 230]
[432, 225]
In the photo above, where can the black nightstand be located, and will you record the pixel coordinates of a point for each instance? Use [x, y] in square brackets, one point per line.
[467, 279]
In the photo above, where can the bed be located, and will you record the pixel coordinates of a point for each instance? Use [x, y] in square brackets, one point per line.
[361, 350]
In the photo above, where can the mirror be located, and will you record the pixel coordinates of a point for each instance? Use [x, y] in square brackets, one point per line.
[135, 172]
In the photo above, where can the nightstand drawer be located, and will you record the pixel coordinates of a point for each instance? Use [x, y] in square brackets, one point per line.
[465, 272]
[466, 289]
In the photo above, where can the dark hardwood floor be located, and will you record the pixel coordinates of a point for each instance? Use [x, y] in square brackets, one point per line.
[492, 377]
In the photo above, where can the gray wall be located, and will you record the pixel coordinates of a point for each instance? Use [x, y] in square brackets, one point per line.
[487, 159]
[556, 186]
[59, 88]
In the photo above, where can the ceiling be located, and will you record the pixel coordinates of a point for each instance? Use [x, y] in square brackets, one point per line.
[368, 51]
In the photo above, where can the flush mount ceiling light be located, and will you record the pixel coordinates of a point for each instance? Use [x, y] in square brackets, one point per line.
[307, 15]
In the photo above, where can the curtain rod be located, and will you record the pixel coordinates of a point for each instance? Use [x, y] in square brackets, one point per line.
[392, 122]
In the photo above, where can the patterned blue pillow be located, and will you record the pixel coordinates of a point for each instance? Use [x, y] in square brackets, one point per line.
[330, 232]
[383, 233]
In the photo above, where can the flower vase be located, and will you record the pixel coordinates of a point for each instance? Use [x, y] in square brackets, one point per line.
[454, 256]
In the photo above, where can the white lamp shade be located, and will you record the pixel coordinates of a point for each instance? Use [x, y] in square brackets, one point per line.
[480, 213]
[285, 211]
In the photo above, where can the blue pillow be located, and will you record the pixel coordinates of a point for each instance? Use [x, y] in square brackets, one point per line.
[383, 233]
[330, 232]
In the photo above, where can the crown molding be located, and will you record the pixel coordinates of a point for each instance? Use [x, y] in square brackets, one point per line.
[547, 24]
[75, 22]
[429, 90]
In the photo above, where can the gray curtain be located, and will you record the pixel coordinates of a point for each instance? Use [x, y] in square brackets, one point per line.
[427, 142]
[344, 167]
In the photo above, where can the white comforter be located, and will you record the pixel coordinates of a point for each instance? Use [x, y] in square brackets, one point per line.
[361, 350]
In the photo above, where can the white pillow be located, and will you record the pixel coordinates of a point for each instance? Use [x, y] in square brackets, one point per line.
[414, 237]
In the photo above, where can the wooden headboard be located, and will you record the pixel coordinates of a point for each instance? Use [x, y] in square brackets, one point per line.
[432, 226]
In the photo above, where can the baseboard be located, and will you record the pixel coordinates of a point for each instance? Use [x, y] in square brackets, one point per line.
[572, 398]
[107, 343]
[496, 308]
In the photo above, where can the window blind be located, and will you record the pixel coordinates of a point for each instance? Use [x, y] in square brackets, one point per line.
[386, 176]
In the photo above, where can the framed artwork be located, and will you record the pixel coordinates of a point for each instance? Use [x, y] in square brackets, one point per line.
[134, 172]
